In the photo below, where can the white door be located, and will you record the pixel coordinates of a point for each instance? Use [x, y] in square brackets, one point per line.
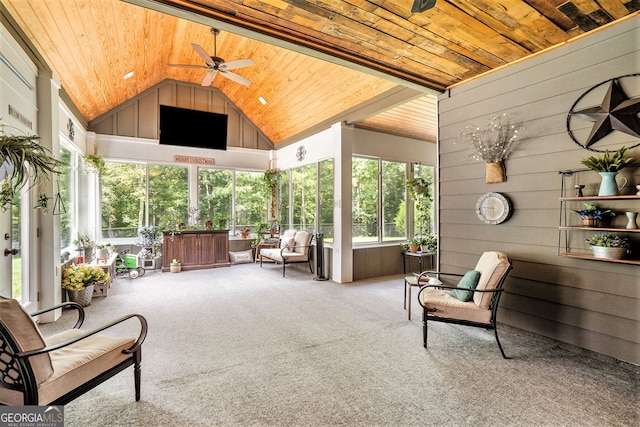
[12, 272]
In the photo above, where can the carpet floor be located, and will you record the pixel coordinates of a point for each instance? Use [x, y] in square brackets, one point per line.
[242, 346]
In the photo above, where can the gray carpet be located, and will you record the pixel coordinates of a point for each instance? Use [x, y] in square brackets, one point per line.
[241, 346]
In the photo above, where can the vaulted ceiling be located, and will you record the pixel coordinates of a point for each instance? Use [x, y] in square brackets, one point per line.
[370, 63]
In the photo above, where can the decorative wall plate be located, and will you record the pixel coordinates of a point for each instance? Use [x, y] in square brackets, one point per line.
[300, 153]
[493, 208]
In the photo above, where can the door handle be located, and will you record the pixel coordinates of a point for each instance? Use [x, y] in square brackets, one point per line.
[8, 252]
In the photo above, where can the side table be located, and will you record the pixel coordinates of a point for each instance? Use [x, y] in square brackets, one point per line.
[269, 243]
[420, 256]
[108, 267]
[411, 281]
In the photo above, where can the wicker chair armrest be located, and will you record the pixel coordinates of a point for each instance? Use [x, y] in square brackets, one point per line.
[136, 345]
[75, 305]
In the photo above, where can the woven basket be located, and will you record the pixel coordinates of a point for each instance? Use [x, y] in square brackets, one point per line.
[82, 297]
[495, 173]
[590, 221]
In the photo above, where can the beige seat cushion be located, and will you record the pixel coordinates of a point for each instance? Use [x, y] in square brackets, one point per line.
[78, 363]
[278, 254]
[26, 335]
[447, 306]
[492, 266]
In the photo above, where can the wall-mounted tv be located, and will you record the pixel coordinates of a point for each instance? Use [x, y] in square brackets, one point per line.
[192, 128]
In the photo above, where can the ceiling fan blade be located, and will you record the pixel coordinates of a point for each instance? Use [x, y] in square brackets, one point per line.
[203, 54]
[236, 78]
[209, 78]
[238, 63]
[187, 66]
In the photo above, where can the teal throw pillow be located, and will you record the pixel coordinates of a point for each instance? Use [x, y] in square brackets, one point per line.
[469, 281]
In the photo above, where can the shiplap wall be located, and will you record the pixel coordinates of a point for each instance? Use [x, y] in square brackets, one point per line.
[139, 117]
[590, 304]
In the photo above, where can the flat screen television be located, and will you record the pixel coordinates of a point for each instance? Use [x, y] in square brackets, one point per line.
[193, 128]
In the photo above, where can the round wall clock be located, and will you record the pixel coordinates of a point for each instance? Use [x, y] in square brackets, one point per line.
[493, 208]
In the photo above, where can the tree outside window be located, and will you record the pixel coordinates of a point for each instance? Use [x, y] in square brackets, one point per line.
[215, 193]
[251, 203]
[394, 175]
[168, 194]
[365, 200]
[325, 199]
[66, 189]
[303, 181]
[123, 199]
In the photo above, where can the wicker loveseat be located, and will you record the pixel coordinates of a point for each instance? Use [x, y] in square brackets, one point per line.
[294, 246]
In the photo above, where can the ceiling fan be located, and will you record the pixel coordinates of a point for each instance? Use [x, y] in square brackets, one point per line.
[215, 64]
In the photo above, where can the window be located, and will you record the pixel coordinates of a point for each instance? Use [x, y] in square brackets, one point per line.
[424, 223]
[67, 197]
[215, 193]
[379, 200]
[303, 180]
[394, 176]
[325, 199]
[365, 200]
[169, 195]
[283, 201]
[252, 200]
[124, 189]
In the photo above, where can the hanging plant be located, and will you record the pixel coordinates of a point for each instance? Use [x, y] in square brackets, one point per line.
[43, 203]
[95, 164]
[271, 177]
[20, 157]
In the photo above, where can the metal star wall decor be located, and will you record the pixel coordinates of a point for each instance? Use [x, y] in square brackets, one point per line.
[616, 112]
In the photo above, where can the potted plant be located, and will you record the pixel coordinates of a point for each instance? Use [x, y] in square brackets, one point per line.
[592, 215]
[608, 167]
[79, 281]
[414, 243]
[84, 244]
[429, 243]
[175, 266]
[102, 252]
[95, 164]
[493, 145]
[221, 221]
[20, 157]
[245, 232]
[609, 246]
[271, 177]
[417, 187]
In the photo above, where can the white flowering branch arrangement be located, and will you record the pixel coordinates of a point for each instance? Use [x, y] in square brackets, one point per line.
[495, 142]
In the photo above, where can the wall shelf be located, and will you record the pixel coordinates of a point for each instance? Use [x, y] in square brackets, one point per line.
[568, 218]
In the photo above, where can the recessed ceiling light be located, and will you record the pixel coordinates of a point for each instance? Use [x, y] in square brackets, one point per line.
[262, 101]
[128, 75]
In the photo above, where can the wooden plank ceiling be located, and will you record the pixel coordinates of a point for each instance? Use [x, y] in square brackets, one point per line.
[379, 45]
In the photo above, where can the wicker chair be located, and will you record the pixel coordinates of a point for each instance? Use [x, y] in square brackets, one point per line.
[55, 370]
